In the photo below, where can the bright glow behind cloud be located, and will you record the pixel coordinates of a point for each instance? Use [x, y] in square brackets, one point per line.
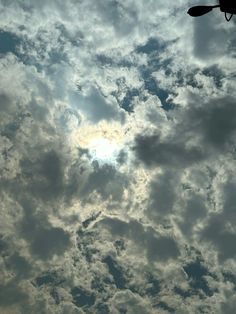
[103, 141]
[104, 151]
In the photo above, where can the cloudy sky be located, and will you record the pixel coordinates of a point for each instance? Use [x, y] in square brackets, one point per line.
[117, 158]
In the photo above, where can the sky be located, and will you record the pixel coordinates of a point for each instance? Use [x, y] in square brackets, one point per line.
[117, 158]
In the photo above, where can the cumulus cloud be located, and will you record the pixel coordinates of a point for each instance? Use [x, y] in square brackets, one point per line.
[116, 158]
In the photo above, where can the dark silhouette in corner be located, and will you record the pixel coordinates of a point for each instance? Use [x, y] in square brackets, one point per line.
[226, 6]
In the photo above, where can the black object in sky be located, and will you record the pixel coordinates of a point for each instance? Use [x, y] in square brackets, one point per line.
[226, 6]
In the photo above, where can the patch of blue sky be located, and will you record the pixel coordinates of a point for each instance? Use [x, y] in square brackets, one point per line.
[152, 49]
[8, 43]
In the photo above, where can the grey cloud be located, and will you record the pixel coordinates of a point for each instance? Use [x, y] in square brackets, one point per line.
[133, 230]
[12, 128]
[106, 181]
[209, 41]
[127, 301]
[158, 247]
[214, 121]
[195, 207]
[152, 151]
[70, 119]
[49, 241]
[212, 125]
[19, 265]
[116, 14]
[163, 194]
[5, 102]
[228, 306]
[44, 239]
[96, 106]
[162, 249]
[229, 201]
[194, 210]
[218, 227]
[11, 294]
[38, 112]
[3, 246]
[45, 176]
[223, 240]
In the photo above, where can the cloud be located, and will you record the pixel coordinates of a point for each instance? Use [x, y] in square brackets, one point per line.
[126, 300]
[44, 240]
[96, 107]
[215, 120]
[106, 181]
[151, 230]
[11, 295]
[163, 191]
[168, 152]
[228, 306]
[159, 248]
[216, 233]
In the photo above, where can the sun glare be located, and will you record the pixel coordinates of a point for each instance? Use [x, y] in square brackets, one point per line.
[104, 141]
[103, 150]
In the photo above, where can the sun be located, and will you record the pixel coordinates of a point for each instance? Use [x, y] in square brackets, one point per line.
[104, 151]
[103, 141]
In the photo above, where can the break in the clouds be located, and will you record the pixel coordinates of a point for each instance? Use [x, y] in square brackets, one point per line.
[117, 164]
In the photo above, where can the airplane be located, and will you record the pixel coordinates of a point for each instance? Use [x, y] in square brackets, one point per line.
[226, 6]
